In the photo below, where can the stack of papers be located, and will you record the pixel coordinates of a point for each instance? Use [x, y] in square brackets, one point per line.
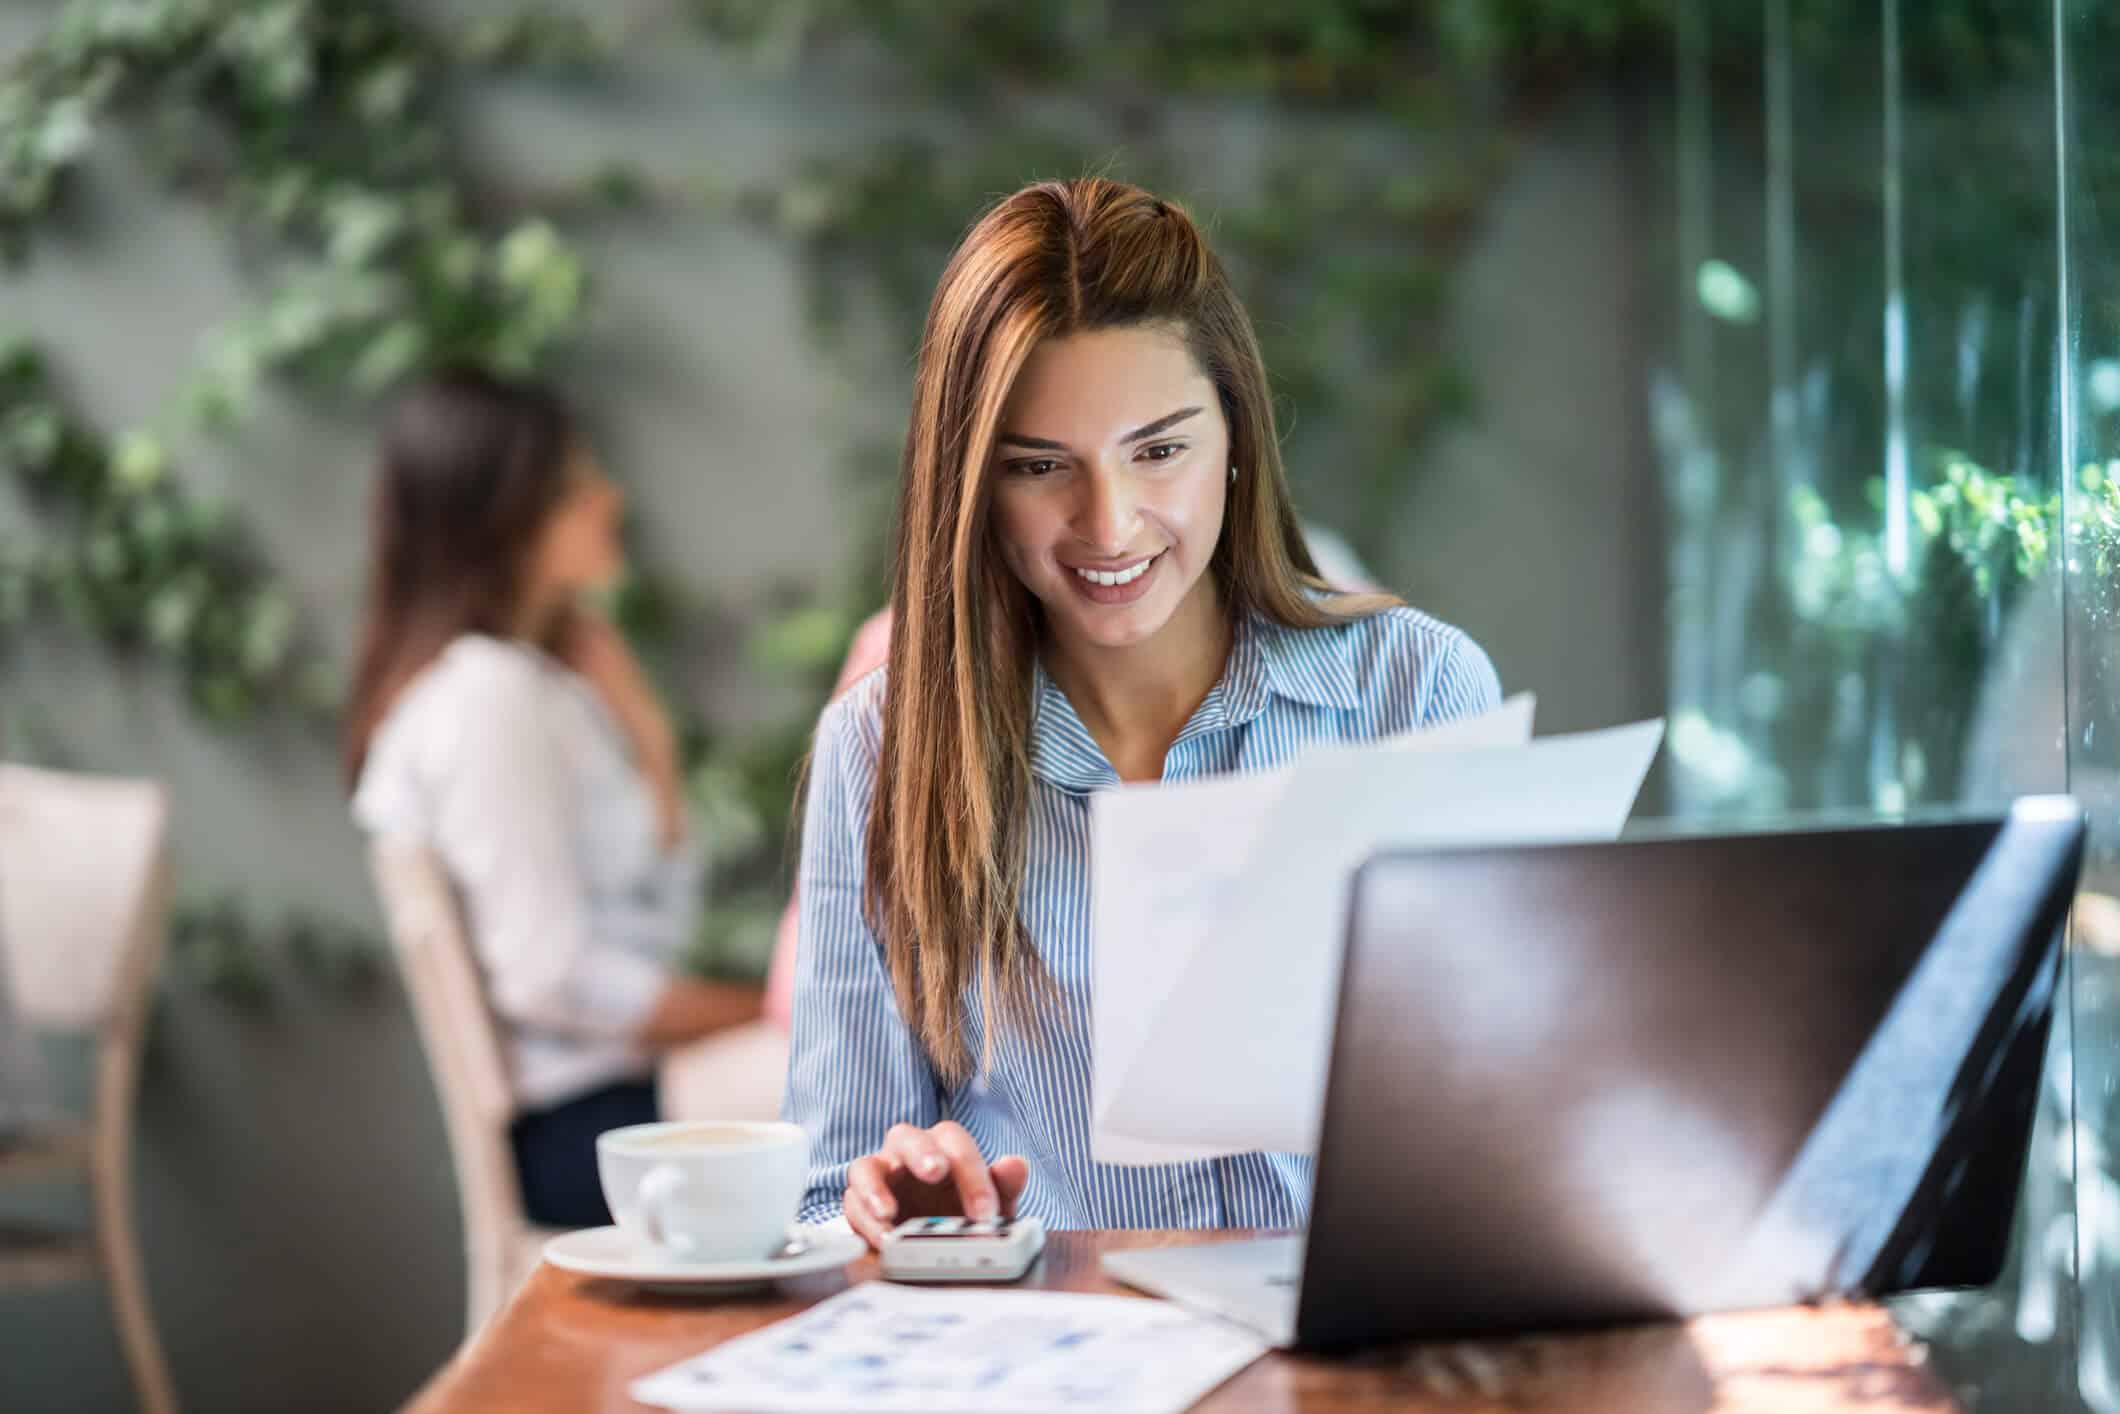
[1219, 912]
[886, 1347]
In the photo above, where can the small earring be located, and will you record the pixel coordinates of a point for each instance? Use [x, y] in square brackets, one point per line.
[1232, 473]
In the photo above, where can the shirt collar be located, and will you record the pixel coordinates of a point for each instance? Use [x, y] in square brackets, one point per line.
[1265, 660]
[1309, 665]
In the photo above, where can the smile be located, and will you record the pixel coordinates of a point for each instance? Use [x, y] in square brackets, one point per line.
[1110, 578]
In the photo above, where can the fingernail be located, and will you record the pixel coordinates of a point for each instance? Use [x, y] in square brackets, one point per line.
[880, 1208]
[932, 1168]
[982, 1208]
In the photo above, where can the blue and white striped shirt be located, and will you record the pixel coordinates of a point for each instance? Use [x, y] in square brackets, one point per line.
[856, 1068]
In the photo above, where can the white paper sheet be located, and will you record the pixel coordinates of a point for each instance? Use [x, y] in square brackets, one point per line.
[1232, 1055]
[885, 1347]
[1150, 921]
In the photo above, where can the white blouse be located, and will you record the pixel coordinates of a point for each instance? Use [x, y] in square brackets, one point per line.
[506, 764]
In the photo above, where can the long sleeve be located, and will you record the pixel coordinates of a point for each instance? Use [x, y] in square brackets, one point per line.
[1464, 684]
[854, 1068]
[504, 818]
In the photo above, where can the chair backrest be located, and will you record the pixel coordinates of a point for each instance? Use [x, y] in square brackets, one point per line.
[462, 1042]
[84, 896]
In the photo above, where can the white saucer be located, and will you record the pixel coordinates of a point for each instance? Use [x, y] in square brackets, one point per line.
[609, 1252]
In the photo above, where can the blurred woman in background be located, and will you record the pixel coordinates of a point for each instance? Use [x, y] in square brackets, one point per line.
[500, 722]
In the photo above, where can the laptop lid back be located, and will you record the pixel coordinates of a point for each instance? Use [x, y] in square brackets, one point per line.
[1580, 1084]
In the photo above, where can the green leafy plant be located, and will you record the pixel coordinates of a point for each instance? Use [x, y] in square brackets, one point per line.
[136, 560]
[229, 947]
[319, 131]
[1392, 126]
[315, 128]
[314, 125]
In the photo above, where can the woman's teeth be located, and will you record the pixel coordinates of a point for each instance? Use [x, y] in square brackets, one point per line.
[1125, 576]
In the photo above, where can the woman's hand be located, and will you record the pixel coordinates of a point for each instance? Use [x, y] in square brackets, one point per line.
[929, 1173]
[593, 647]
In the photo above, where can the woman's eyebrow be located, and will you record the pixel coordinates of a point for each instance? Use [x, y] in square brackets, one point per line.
[1161, 424]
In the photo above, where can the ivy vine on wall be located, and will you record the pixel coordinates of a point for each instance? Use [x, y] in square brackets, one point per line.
[137, 561]
[1375, 133]
[319, 132]
[314, 128]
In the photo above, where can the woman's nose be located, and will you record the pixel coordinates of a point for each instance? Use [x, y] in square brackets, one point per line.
[1106, 519]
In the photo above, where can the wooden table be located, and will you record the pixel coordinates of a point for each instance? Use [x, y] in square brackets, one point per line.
[573, 1343]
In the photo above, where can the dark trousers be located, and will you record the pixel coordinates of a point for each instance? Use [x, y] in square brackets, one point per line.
[555, 1151]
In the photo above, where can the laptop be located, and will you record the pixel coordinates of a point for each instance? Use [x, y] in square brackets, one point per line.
[1585, 1084]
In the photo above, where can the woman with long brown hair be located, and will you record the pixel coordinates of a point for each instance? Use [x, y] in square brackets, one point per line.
[500, 722]
[1098, 578]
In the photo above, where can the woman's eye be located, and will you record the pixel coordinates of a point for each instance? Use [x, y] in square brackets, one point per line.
[1161, 451]
[1037, 466]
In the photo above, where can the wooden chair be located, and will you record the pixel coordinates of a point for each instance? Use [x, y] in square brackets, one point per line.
[457, 1030]
[84, 904]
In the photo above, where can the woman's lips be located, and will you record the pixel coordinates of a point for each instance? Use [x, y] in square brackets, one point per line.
[1131, 580]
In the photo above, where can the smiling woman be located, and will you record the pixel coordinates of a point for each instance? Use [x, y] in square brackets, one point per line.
[1098, 577]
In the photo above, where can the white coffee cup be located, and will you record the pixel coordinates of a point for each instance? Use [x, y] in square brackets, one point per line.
[704, 1190]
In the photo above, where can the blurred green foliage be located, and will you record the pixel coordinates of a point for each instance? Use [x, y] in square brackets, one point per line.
[1862, 683]
[316, 127]
[1381, 130]
[140, 563]
[1368, 139]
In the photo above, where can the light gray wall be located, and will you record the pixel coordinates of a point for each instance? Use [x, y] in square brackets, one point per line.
[295, 1196]
[1535, 524]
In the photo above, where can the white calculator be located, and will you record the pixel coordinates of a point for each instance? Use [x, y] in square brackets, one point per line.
[962, 1249]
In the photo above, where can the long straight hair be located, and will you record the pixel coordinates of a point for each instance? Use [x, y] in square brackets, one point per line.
[949, 821]
[471, 469]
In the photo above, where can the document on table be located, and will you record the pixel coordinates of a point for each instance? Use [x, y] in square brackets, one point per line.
[1208, 1050]
[885, 1347]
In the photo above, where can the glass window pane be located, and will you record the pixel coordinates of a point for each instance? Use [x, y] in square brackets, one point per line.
[2090, 429]
[1858, 415]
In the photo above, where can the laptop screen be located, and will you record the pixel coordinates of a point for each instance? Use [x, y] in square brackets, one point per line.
[1582, 1083]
